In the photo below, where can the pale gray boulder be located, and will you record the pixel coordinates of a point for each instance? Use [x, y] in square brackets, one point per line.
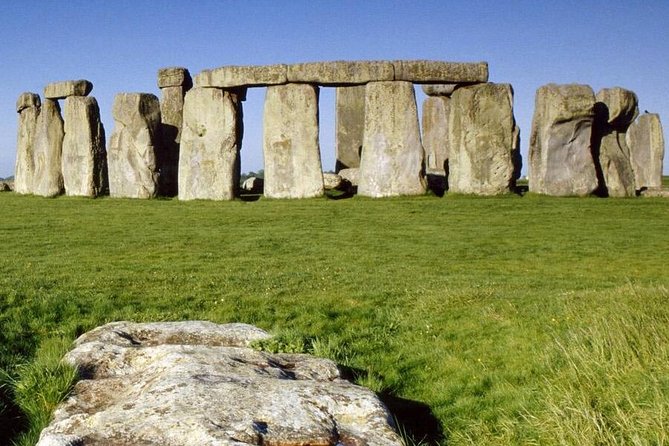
[340, 73]
[561, 161]
[64, 89]
[332, 181]
[349, 126]
[28, 107]
[131, 156]
[233, 76]
[432, 71]
[392, 154]
[645, 140]
[210, 144]
[197, 383]
[48, 150]
[84, 160]
[352, 175]
[290, 142]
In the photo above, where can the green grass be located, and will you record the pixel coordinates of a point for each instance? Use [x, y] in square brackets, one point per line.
[503, 320]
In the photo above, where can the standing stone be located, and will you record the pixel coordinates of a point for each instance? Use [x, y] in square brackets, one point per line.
[209, 145]
[483, 140]
[48, 177]
[350, 126]
[435, 141]
[291, 148]
[392, 154]
[84, 160]
[132, 149]
[645, 140]
[561, 161]
[28, 108]
[174, 83]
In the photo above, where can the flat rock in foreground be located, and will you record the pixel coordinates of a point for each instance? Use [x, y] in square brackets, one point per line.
[197, 383]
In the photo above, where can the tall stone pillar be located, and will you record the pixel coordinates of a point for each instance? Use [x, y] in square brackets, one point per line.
[436, 110]
[28, 108]
[290, 142]
[646, 143]
[173, 82]
[350, 126]
[84, 161]
[48, 177]
[131, 157]
[392, 154]
[209, 158]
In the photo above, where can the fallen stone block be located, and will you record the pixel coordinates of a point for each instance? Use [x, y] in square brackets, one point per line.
[242, 76]
[61, 90]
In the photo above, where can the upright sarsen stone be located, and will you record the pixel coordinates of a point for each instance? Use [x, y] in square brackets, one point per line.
[84, 161]
[28, 108]
[132, 148]
[392, 154]
[290, 142]
[48, 177]
[350, 126]
[436, 112]
[561, 161]
[209, 153]
[646, 143]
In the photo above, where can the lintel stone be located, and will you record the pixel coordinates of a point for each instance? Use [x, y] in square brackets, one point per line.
[341, 72]
[233, 76]
[430, 71]
[61, 90]
[174, 77]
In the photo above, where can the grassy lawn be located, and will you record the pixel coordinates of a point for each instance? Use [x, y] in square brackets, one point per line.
[504, 320]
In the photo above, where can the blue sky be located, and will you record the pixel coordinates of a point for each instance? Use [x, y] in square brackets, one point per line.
[120, 45]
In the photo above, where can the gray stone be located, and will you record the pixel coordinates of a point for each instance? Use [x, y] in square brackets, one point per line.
[645, 140]
[439, 89]
[620, 107]
[28, 107]
[242, 76]
[48, 148]
[482, 139]
[349, 126]
[209, 158]
[655, 192]
[61, 90]
[561, 161]
[392, 153]
[174, 77]
[6, 186]
[352, 175]
[436, 112]
[132, 150]
[340, 73]
[192, 383]
[331, 181]
[290, 142]
[429, 71]
[84, 160]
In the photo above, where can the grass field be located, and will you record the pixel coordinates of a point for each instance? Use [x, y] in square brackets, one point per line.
[503, 320]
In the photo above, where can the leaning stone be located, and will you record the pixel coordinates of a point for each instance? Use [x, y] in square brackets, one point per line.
[209, 157]
[61, 90]
[350, 125]
[131, 156]
[28, 106]
[48, 148]
[242, 76]
[428, 71]
[439, 89]
[352, 175]
[174, 77]
[482, 140]
[620, 106]
[341, 73]
[84, 160]
[561, 161]
[290, 147]
[392, 154]
[645, 140]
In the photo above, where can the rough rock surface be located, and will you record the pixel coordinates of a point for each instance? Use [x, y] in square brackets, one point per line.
[84, 161]
[436, 111]
[290, 142]
[350, 126]
[243, 76]
[483, 140]
[621, 107]
[174, 77]
[439, 89]
[197, 383]
[340, 73]
[431, 71]
[645, 140]
[48, 149]
[131, 156]
[28, 107]
[331, 181]
[561, 161]
[351, 175]
[61, 90]
[209, 158]
[392, 154]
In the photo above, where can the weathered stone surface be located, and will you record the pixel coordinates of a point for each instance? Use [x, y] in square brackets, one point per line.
[331, 181]
[392, 156]
[28, 106]
[48, 148]
[620, 107]
[209, 158]
[352, 175]
[84, 160]
[6, 186]
[183, 384]
[561, 161]
[243, 76]
[61, 90]
[290, 142]
[439, 89]
[131, 156]
[430, 71]
[349, 126]
[436, 112]
[174, 77]
[645, 140]
[655, 192]
[340, 73]
[483, 140]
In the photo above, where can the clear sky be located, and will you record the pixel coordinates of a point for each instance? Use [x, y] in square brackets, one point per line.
[120, 44]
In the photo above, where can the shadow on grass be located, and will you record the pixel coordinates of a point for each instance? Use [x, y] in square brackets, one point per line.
[12, 420]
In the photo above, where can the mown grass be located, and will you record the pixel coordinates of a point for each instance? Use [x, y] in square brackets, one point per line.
[503, 320]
